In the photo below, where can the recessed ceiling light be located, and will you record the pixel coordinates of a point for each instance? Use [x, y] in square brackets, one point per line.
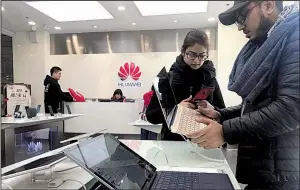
[133, 23]
[57, 28]
[211, 19]
[63, 11]
[151, 8]
[175, 21]
[94, 26]
[2, 8]
[121, 8]
[31, 23]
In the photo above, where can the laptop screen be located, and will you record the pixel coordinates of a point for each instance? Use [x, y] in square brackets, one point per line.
[113, 162]
[165, 96]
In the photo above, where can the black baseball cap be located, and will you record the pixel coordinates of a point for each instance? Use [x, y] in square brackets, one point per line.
[229, 17]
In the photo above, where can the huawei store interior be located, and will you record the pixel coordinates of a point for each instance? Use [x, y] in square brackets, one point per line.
[79, 78]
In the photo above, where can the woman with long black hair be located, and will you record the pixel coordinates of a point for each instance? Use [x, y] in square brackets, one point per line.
[191, 71]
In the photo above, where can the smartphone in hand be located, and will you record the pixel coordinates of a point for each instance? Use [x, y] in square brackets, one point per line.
[203, 93]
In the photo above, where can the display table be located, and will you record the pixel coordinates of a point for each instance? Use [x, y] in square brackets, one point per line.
[99, 115]
[146, 125]
[165, 155]
[12, 126]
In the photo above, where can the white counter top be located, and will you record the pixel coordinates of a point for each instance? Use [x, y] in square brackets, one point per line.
[114, 116]
[180, 157]
[11, 122]
[146, 125]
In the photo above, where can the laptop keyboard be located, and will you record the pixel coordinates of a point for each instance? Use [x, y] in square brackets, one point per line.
[189, 180]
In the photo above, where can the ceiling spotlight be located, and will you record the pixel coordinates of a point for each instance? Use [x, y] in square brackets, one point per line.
[211, 19]
[31, 23]
[133, 23]
[2, 8]
[94, 26]
[57, 28]
[121, 8]
[175, 21]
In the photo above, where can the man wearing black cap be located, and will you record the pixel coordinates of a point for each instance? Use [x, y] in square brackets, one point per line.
[266, 76]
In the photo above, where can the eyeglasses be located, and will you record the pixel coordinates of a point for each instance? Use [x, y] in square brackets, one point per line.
[243, 15]
[192, 55]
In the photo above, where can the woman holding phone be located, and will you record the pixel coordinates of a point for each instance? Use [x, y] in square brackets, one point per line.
[191, 72]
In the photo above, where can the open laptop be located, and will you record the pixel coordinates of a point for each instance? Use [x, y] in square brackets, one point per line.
[51, 110]
[118, 167]
[31, 112]
[178, 118]
[69, 109]
[38, 109]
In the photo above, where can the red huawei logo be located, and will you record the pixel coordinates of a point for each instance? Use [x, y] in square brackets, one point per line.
[129, 70]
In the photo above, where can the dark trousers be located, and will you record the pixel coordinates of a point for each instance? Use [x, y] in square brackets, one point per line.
[274, 186]
[148, 135]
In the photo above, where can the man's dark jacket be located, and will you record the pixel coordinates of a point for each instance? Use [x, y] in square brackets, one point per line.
[185, 82]
[268, 130]
[53, 94]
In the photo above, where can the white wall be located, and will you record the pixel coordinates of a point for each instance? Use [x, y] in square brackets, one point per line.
[230, 42]
[96, 75]
[29, 63]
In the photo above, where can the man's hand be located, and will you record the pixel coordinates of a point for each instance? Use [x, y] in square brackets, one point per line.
[211, 136]
[205, 104]
[187, 103]
[205, 108]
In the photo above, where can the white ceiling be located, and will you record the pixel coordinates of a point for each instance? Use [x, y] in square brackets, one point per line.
[15, 13]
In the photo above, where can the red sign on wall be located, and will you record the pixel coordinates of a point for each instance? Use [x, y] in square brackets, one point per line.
[129, 70]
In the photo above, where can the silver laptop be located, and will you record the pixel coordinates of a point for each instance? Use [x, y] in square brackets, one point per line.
[165, 96]
[178, 118]
[118, 167]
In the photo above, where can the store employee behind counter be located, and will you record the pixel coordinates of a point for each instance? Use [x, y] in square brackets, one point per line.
[191, 71]
[53, 94]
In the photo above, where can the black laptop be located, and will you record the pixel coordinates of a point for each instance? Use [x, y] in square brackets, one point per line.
[51, 110]
[118, 167]
[69, 109]
[38, 109]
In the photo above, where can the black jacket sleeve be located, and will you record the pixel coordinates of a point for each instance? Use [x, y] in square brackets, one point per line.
[218, 101]
[230, 112]
[280, 116]
[62, 95]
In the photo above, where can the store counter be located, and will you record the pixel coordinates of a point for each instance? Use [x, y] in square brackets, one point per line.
[114, 116]
[12, 140]
[165, 155]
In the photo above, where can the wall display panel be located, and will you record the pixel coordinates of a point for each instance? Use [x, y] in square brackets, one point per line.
[123, 42]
